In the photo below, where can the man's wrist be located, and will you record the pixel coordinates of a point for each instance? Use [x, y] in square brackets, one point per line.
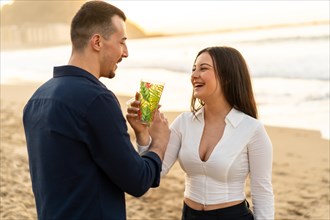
[158, 149]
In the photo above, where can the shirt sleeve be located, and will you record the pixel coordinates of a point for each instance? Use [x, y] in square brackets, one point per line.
[111, 148]
[144, 148]
[173, 147]
[260, 163]
[172, 150]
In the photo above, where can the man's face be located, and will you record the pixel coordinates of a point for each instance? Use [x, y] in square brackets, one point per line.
[114, 49]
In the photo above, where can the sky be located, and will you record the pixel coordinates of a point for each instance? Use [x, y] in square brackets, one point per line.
[173, 17]
[3, 2]
[177, 17]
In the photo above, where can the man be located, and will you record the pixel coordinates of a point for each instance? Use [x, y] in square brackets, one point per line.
[80, 155]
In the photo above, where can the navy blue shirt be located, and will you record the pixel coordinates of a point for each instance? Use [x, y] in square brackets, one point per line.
[80, 155]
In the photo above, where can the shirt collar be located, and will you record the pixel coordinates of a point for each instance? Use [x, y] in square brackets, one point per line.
[234, 117]
[199, 115]
[68, 70]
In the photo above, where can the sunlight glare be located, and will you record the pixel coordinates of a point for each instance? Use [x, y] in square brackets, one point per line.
[5, 2]
[194, 16]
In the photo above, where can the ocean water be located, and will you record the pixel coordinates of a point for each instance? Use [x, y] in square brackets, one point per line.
[289, 68]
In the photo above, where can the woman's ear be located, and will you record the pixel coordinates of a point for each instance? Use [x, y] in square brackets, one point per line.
[95, 42]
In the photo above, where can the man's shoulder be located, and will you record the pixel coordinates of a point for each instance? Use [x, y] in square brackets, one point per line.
[73, 86]
[71, 91]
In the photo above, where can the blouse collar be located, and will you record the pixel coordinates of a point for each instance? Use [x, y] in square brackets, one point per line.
[234, 117]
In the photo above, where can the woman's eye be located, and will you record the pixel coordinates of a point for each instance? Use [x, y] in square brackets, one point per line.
[200, 69]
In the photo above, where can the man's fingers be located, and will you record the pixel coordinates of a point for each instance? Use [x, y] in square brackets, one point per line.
[160, 116]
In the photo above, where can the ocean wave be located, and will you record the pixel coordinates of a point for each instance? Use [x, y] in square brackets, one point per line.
[286, 39]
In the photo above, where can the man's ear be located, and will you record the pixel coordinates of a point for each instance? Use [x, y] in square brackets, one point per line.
[95, 42]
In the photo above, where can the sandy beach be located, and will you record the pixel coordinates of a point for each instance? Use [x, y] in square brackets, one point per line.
[300, 172]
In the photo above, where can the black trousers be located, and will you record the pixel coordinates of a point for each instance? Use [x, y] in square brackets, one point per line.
[236, 212]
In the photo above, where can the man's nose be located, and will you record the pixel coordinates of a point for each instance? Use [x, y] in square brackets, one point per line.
[125, 52]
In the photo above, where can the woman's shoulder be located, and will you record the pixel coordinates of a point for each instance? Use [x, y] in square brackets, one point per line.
[184, 119]
[188, 116]
[247, 119]
[183, 116]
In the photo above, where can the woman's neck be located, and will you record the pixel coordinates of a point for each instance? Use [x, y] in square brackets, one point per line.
[216, 110]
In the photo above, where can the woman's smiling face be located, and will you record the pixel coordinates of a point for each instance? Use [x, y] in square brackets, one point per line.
[203, 78]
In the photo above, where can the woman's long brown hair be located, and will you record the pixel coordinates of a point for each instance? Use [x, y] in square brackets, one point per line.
[234, 78]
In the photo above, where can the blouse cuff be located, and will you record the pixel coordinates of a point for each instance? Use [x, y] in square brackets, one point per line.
[144, 148]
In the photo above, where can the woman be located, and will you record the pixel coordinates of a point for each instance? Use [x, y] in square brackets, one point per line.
[220, 142]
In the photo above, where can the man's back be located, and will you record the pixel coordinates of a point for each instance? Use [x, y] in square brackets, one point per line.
[80, 154]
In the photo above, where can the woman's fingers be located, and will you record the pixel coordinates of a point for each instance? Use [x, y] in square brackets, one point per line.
[133, 110]
[134, 101]
[137, 96]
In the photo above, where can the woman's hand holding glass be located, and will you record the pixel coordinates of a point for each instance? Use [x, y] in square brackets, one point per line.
[159, 130]
[140, 129]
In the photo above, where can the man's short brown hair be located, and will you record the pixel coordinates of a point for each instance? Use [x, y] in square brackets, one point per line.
[93, 17]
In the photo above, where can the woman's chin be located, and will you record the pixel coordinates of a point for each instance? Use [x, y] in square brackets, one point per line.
[197, 95]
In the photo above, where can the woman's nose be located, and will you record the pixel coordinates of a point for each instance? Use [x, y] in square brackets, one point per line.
[194, 74]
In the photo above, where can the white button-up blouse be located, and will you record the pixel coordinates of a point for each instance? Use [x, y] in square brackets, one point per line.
[244, 149]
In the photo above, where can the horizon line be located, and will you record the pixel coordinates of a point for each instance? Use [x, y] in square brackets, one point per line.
[247, 28]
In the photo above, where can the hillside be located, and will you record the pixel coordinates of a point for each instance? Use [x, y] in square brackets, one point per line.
[40, 23]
